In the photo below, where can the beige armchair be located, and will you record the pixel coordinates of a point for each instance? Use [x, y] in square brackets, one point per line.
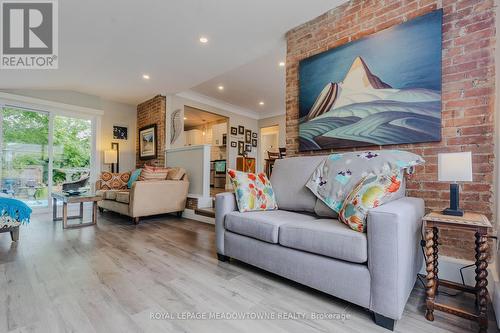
[146, 198]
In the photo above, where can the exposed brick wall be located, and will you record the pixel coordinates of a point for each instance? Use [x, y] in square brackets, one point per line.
[150, 112]
[468, 92]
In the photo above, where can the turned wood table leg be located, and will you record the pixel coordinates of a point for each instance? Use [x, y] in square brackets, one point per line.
[430, 235]
[481, 280]
[435, 232]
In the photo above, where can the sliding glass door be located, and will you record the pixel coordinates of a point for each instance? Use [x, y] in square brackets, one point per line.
[42, 151]
[72, 151]
[25, 155]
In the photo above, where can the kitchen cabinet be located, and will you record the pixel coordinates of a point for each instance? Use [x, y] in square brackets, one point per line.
[219, 131]
[193, 137]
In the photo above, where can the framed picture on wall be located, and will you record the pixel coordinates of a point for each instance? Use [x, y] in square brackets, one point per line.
[147, 142]
[234, 144]
[120, 132]
[254, 142]
[234, 131]
[248, 148]
[248, 136]
[241, 129]
[241, 148]
[254, 135]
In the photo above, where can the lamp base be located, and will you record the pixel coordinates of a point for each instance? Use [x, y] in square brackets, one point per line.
[453, 212]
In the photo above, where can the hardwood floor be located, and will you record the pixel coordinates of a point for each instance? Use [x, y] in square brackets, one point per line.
[115, 276]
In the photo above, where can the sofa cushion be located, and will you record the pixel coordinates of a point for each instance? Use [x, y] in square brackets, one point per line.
[149, 173]
[327, 237]
[372, 191]
[123, 197]
[113, 181]
[289, 178]
[176, 173]
[253, 191]
[322, 210]
[263, 225]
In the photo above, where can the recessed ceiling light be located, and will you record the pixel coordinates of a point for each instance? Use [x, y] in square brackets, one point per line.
[185, 118]
[282, 64]
[145, 76]
[221, 87]
[261, 103]
[203, 40]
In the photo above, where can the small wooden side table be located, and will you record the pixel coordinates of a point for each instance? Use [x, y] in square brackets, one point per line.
[472, 222]
[68, 199]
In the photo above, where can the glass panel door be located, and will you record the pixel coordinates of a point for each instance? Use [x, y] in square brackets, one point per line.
[25, 158]
[72, 153]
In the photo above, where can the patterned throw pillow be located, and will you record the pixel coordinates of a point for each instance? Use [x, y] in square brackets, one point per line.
[114, 181]
[335, 178]
[176, 173]
[134, 177]
[150, 173]
[370, 192]
[253, 192]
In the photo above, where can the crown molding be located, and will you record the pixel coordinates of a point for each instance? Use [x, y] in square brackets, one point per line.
[200, 98]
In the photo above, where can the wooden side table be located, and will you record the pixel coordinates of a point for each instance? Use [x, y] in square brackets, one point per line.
[67, 199]
[472, 222]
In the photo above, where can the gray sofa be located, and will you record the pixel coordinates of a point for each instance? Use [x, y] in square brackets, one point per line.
[303, 242]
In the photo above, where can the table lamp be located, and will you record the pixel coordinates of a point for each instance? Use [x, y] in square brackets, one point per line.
[454, 167]
[111, 157]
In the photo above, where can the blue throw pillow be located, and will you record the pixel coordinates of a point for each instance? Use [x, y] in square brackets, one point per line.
[133, 177]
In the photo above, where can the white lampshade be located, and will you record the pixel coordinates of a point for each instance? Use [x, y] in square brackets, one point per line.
[455, 167]
[110, 156]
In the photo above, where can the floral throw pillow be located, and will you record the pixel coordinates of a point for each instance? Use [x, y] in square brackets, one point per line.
[335, 178]
[370, 192]
[253, 191]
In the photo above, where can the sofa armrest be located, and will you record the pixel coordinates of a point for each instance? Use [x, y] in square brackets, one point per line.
[394, 254]
[157, 197]
[224, 203]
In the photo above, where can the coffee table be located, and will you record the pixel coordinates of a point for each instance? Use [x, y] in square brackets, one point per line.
[70, 199]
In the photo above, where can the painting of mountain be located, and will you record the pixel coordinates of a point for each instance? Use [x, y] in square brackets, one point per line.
[383, 89]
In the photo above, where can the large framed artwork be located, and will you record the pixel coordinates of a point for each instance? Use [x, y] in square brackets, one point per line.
[383, 89]
[147, 142]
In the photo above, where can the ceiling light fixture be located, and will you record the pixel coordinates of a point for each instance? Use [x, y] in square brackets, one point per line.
[145, 76]
[185, 118]
[221, 87]
[261, 103]
[203, 40]
[282, 64]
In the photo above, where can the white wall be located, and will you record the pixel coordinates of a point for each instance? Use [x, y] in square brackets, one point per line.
[114, 114]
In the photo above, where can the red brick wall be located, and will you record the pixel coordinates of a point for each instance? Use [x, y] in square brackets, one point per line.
[468, 93]
[150, 112]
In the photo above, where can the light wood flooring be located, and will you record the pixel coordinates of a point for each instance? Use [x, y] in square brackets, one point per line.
[112, 277]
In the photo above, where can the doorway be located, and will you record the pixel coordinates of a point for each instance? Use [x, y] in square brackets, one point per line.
[269, 142]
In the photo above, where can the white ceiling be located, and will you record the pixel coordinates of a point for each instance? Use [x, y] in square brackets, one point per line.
[106, 46]
[259, 80]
